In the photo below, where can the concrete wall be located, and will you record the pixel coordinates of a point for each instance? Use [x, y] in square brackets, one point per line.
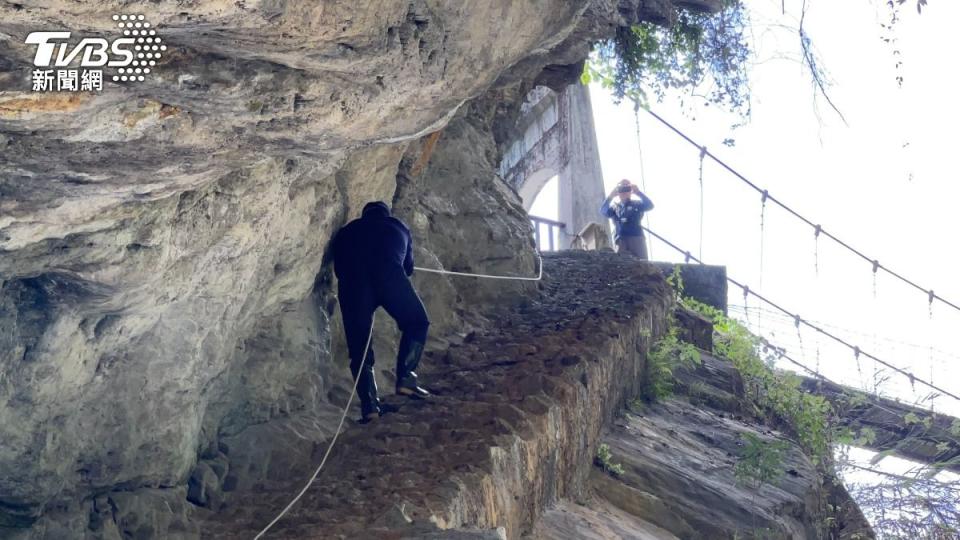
[581, 178]
[558, 139]
[706, 283]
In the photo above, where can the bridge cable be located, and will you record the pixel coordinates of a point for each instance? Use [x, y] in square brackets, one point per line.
[940, 358]
[643, 173]
[856, 349]
[703, 153]
[818, 230]
[930, 482]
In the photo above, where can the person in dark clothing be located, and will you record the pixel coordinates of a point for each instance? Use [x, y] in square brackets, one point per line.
[626, 215]
[373, 259]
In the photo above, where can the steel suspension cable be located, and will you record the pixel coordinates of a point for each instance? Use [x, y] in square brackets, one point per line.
[818, 230]
[798, 320]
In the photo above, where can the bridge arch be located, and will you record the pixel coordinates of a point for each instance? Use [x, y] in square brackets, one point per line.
[534, 184]
[557, 137]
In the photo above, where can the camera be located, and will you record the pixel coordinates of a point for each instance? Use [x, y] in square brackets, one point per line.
[624, 189]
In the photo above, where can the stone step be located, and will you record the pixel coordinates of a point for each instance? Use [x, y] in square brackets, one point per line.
[512, 428]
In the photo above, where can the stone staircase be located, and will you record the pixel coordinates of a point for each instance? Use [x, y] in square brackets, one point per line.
[512, 429]
[506, 447]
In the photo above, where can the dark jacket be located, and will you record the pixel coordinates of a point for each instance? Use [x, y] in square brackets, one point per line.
[376, 241]
[626, 216]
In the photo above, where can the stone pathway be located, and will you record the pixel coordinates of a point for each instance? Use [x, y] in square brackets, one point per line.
[512, 427]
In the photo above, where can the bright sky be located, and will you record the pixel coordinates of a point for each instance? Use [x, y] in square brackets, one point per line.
[885, 182]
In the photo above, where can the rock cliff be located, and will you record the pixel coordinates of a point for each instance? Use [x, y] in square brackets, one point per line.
[679, 479]
[169, 340]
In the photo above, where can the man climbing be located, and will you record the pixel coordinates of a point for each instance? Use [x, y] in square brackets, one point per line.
[373, 259]
[626, 215]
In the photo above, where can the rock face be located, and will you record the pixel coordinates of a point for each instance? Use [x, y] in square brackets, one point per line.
[679, 480]
[171, 363]
[163, 293]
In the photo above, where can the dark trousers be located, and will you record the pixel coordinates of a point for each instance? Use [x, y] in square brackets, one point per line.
[636, 245]
[360, 296]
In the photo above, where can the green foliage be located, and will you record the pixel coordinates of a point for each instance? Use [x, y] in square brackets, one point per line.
[668, 354]
[773, 391]
[943, 447]
[675, 281]
[866, 437]
[856, 399]
[699, 388]
[604, 460]
[761, 461]
[693, 51]
[846, 437]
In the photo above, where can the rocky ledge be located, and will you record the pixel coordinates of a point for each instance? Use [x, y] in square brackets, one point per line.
[679, 461]
[512, 428]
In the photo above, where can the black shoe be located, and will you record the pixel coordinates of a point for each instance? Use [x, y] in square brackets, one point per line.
[371, 415]
[408, 358]
[386, 408]
[408, 387]
[369, 412]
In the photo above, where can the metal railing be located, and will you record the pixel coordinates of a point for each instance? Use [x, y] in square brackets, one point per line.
[552, 226]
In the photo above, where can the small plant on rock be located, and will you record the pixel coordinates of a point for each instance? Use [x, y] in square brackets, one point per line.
[668, 354]
[773, 391]
[761, 461]
[636, 406]
[603, 460]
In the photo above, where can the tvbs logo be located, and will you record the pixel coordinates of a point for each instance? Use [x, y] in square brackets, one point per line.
[132, 56]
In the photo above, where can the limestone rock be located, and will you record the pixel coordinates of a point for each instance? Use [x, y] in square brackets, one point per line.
[203, 488]
[695, 328]
[159, 242]
[679, 459]
[164, 293]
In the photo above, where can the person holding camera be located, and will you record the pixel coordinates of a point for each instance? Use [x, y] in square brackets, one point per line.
[626, 214]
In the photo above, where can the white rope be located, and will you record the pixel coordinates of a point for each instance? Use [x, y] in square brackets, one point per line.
[353, 392]
[468, 274]
[343, 416]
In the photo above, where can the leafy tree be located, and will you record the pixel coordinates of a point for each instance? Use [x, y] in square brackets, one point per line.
[696, 50]
[702, 52]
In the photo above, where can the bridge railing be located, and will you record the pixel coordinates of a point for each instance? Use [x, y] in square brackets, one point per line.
[552, 227]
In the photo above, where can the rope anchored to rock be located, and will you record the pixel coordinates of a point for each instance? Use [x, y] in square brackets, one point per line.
[538, 277]
[353, 391]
